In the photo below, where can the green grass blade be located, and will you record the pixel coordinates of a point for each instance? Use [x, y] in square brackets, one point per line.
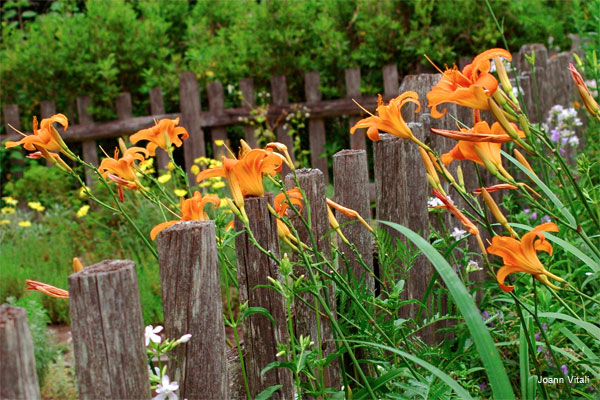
[447, 379]
[494, 368]
[590, 328]
[594, 265]
[523, 363]
[553, 198]
[577, 342]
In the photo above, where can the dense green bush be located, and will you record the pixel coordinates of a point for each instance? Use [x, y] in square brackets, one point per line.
[66, 48]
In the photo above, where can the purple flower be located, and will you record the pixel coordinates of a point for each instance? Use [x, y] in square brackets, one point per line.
[546, 218]
[482, 386]
[539, 349]
[554, 135]
[486, 315]
[537, 337]
[564, 140]
[544, 326]
[562, 151]
[564, 369]
[533, 215]
[526, 210]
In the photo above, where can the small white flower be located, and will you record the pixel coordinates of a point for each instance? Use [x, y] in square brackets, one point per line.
[230, 88]
[458, 233]
[151, 334]
[574, 141]
[434, 202]
[185, 338]
[166, 389]
[473, 266]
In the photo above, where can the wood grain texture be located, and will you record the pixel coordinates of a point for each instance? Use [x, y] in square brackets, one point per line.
[312, 182]
[316, 126]
[352, 77]
[390, 80]
[280, 98]
[216, 105]
[248, 103]
[157, 107]
[402, 194]
[88, 146]
[351, 184]
[260, 335]
[18, 376]
[189, 99]
[191, 294]
[108, 332]
[11, 118]
[123, 106]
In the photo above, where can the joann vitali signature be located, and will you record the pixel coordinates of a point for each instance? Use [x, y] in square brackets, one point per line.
[570, 379]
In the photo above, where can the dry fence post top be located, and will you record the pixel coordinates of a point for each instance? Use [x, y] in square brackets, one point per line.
[108, 331]
[18, 376]
[191, 294]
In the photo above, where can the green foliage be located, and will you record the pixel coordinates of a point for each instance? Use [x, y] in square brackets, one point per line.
[44, 348]
[65, 49]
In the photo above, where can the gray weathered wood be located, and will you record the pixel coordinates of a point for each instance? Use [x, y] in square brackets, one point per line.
[260, 336]
[316, 126]
[216, 104]
[280, 98]
[123, 106]
[11, 118]
[108, 332]
[189, 99]
[305, 322]
[248, 102]
[541, 60]
[390, 80]
[157, 106]
[352, 76]
[18, 377]
[402, 194]
[191, 294]
[89, 148]
[351, 184]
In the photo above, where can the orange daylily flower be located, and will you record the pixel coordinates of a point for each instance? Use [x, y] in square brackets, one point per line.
[348, 212]
[389, 118]
[584, 93]
[47, 289]
[495, 188]
[471, 88]
[245, 175]
[191, 210]
[156, 135]
[521, 256]
[485, 153]
[281, 207]
[120, 170]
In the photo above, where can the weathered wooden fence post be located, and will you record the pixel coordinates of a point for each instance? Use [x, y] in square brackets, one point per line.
[189, 100]
[280, 98]
[123, 106]
[316, 126]
[89, 148]
[312, 182]
[352, 77]
[351, 184]
[260, 335]
[157, 107]
[216, 105]
[248, 102]
[529, 92]
[11, 118]
[191, 294]
[108, 332]
[18, 377]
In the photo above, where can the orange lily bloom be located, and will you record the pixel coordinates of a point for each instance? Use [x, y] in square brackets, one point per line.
[521, 256]
[245, 175]
[120, 170]
[46, 137]
[470, 88]
[389, 118]
[281, 207]
[191, 210]
[158, 133]
[484, 153]
[495, 188]
[348, 212]
[47, 289]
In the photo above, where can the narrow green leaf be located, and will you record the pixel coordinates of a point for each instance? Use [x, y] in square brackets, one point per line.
[553, 198]
[268, 392]
[257, 310]
[494, 368]
[523, 363]
[459, 390]
[577, 342]
[590, 328]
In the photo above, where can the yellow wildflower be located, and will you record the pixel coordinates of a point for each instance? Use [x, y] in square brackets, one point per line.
[195, 169]
[144, 165]
[164, 178]
[83, 192]
[218, 185]
[82, 212]
[25, 224]
[170, 166]
[4, 221]
[180, 192]
[7, 210]
[10, 201]
[219, 142]
[36, 205]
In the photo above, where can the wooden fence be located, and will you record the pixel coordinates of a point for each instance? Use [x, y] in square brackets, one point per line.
[104, 298]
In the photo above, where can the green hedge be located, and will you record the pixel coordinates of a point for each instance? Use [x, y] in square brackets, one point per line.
[67, 48]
